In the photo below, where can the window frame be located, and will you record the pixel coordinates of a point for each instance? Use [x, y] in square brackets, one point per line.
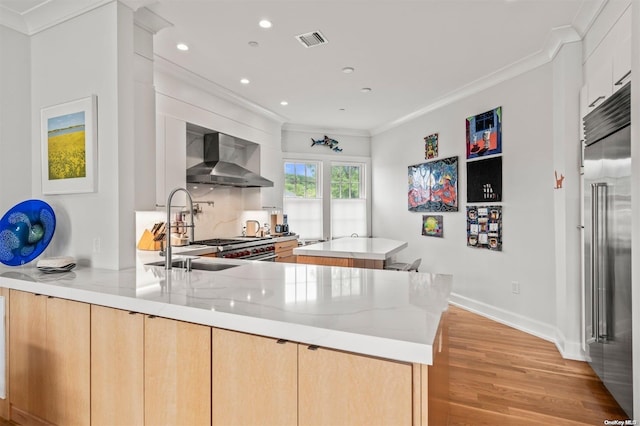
[326, 163]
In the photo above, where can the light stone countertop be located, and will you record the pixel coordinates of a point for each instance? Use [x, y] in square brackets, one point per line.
[380, 313]
[354, 247]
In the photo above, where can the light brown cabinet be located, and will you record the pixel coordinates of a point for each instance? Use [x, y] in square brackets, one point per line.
[284, 251]
[72, 362]
[348, 262]
[254, 380]
[49, 348]
[117, 366]
[177, 364]
[345, 388]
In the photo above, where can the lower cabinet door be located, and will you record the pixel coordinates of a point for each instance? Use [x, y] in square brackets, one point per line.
[254, 380]
[27, 353]
[117, 367]
[49, 360]
[177, 382]
[339, 388]
[68, 380]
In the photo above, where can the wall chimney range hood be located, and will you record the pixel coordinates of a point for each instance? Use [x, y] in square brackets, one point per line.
[220, 169]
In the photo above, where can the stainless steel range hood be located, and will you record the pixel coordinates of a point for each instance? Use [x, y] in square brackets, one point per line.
[217, 170]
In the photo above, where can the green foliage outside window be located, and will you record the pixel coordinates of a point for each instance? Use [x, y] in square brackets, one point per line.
[300, 180]
[345, 181]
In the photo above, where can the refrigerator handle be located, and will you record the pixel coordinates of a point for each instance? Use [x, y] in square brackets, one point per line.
[598, 262]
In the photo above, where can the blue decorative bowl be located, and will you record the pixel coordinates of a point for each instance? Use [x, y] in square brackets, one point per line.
[26, 231]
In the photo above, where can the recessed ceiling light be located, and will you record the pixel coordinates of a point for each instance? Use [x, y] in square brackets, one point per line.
[348, 70]
[284, 103]
[182, 46]
[244, 81]
[265, 23]
[253, 43]
[365, 89]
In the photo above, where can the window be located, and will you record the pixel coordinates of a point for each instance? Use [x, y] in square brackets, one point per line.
[301, 180]
[303, 198]
[345, 181]
[325, 199]
[348, 203]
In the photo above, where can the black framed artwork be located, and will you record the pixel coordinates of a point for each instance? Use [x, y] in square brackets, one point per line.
[484, 180]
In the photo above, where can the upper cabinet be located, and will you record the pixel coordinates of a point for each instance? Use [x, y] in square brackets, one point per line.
[608, 68]
[271, 167]
[171, 158]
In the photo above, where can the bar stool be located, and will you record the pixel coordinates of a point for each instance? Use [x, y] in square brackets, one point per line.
[399, 266]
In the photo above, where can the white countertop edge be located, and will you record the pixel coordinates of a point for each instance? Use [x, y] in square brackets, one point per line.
[352, 248]
[361, 344]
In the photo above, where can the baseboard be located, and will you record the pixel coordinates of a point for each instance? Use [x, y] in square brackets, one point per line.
[550, 333]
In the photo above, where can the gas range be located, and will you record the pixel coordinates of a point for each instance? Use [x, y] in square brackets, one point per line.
[242, 248]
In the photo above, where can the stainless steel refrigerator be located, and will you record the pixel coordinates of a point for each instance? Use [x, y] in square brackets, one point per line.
[607, 216]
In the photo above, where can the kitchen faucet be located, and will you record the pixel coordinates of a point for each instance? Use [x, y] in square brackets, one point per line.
[167, 259]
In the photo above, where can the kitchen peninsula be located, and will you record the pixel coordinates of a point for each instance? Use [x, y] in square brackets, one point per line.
[280, 343]
[355, 252]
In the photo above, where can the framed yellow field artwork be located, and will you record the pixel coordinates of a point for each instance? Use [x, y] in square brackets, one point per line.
[69, 147]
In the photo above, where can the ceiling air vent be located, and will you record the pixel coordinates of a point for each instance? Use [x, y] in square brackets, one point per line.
[312, 39]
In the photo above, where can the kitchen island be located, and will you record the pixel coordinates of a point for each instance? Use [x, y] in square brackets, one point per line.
[356, 252]
[281, 343]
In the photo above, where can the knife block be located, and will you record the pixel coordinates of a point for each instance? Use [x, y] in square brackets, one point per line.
[147, 242]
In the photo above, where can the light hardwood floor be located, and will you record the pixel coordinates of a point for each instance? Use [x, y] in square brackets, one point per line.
[502, 376]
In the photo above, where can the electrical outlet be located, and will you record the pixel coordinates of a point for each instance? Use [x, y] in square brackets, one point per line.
[515, 287]
[96, 245]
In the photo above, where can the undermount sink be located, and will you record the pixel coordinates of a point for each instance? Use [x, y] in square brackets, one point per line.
[203, 266]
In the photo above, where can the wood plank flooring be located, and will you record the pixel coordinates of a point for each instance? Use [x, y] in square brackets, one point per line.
[500, 375]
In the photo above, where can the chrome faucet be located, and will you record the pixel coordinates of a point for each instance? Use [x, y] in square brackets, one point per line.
[167, 259]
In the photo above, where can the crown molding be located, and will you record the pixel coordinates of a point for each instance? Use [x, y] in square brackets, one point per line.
[46, 15]
[191, 78]
[557, 38]
[149, 20]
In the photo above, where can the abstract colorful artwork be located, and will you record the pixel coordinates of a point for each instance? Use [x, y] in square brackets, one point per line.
[433, 186]
[484, 134]
[484, 180]
[432, 226]
[431, 146]
[484, 227]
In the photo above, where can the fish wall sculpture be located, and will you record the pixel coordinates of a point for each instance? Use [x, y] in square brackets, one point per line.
[327, 141]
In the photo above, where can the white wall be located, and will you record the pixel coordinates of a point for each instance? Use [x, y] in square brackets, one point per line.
[86, 55]
[15, 124]
[567, 81]
[482, 279]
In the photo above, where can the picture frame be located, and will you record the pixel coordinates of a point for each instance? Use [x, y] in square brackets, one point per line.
[484, 133]
[69, 147]
[484, 180]
[431, 146]
[433, 225]
[484, 227]
[433, 186]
